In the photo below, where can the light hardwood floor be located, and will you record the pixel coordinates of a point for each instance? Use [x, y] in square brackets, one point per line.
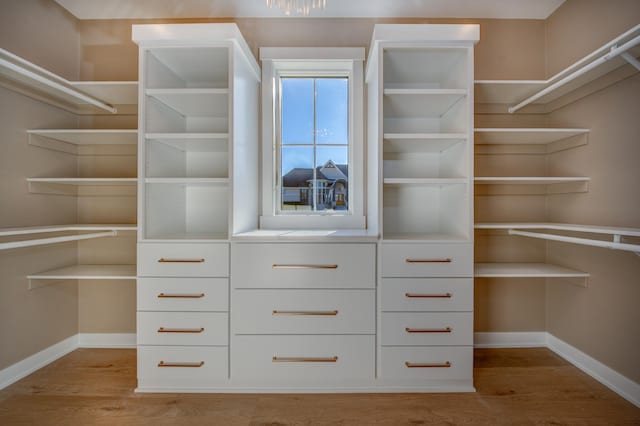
[514, 387]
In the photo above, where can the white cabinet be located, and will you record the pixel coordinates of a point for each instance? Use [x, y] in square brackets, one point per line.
[198, 95]
[420, 78]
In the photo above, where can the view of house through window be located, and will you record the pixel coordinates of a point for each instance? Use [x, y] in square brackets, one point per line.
[314, 144]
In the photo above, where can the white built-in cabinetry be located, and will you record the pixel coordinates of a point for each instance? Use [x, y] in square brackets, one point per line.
[420, 80]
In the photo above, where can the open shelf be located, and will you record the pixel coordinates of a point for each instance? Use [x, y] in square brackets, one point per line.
[86, 181]
[421, 142]
[195, 102]
[175, 67]
[606, 65]
[89, 136]
[524, 136]
[207, 114]
[190, 180]
[432, 237]
[199, 155]
[525, 270]
[88, 272]
[6, 232]
[528, 180]
[425, 181]
[425, 68]
[420, 102]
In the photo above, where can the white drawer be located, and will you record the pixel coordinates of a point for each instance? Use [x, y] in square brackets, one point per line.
[427, 260]
[302, 360]
[185, 367]
[303, 265]
[445, 328]
[183, 260]
[303, 311]
[427, 294]
[183, 328]
[183, 294]
[421, 364]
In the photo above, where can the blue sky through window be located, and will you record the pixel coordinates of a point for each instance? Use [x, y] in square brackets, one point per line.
[331, 121]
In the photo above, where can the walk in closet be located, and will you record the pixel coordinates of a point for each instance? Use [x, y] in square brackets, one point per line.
[468, 183]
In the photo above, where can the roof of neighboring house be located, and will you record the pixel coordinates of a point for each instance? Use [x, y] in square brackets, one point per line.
[299, 176]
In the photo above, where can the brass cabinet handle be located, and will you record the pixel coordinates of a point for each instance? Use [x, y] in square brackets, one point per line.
[302, 266]
[428, 330]
[318, 313]
[163, 260]
[180, 296]
[298, 359]
[180, 330]
[419, 365]
[181, 364]
[447, 260]
[428, 296]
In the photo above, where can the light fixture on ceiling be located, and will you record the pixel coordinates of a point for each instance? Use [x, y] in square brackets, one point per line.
[299, 7]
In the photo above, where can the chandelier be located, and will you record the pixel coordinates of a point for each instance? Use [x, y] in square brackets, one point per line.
[299, 7]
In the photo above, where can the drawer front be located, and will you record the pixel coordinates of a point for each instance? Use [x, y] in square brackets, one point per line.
[183, 294]
[183, 260]
[302, 360]
[427, 294]
[427, 260]
[422, 364]
[183, 328]
[182, 366]
[427, 329]
[303, 265]
[303, 311]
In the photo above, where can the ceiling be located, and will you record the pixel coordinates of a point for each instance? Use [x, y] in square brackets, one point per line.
[146, 9]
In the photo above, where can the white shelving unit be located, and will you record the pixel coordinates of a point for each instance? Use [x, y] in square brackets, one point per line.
[606, 65]
[420, 118]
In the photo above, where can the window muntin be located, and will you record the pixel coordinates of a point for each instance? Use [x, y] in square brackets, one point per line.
[313, 145]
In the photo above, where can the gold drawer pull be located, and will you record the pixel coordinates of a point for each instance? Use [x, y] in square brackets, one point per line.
[180, 296]
[319, 313]
[297, 359]
[428, 330]
[163, 260]
[293, 266]
[180, 330]
[447, 260]
[428, 296]
[181, 364]
[418, 365]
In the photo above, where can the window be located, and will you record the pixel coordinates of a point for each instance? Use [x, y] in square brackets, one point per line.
[313, 144]
[312, 138]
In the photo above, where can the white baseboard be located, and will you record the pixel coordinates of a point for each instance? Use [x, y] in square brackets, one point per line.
[535, 339]
[107, 340]
[615, 381]
[23, 368]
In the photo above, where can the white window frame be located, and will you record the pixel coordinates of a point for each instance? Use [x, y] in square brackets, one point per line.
[311, 62]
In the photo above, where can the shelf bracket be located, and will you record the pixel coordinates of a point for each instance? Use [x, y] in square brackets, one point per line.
[633, 61]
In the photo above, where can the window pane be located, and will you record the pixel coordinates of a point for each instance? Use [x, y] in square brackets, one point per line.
[332, 110]
[297, 111]
[297, 175]
[333, 178]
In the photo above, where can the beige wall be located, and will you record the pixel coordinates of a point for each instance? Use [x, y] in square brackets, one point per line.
[603, 319]
[33, 320]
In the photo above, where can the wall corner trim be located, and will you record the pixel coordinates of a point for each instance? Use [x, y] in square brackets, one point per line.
[615, 381]
[23, 368]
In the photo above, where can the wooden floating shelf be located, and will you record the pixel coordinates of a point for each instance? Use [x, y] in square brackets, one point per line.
[525, 270]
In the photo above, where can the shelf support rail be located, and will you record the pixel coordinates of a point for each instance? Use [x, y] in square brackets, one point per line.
[54, 240]
[616, 244]
[614, 52]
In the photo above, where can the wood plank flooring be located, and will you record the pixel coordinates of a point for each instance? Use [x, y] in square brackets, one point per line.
[514, 387]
